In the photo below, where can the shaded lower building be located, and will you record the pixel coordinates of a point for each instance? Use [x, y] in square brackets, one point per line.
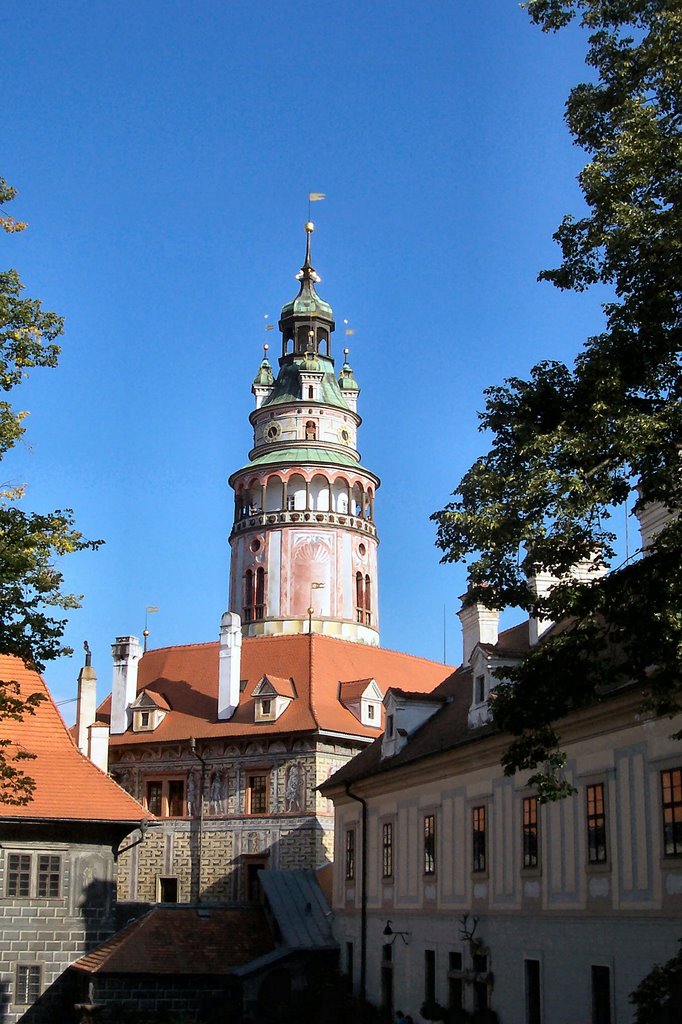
[212, 963]
[57, 856]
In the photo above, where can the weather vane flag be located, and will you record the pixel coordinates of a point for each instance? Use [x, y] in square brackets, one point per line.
[315, 197]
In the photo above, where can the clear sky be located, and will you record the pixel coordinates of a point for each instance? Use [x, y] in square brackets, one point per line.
[164, 151]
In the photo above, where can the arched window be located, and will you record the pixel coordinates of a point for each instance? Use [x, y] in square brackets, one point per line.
[260, 593]
[310, 431]
[248, 595]
[368, 601]
[311, 392]
[359, 597]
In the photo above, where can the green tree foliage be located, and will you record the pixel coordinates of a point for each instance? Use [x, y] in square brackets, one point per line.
[30, 584]
[569, 443]
[658, 997]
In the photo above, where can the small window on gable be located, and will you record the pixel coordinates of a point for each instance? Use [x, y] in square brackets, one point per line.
[479, 689]
[266, 706]
[144, 719]
[370, 711]
[389, 726]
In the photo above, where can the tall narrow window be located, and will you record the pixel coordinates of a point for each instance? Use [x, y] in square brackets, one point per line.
[368, 602]
[176, 798]
[350, 854]
[455, 989]
[311, 393]
[359, 597]
[387, 849]
[349, 961]
[260, 593]
[671, 794]
[530, 832]
[28, 984]
[479, 962]
[19, 874]
[478, 837]
[248, 595]
[601, 995]
[430, 975]
[533, 1015]
[153, 797]
[429, 844]
[49, 870]
[596, 824]
[257, 795]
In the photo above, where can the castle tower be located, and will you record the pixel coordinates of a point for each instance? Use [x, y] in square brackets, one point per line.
[304, 536]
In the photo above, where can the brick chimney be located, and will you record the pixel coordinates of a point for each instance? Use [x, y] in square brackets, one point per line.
[229, 668]
[126, 652]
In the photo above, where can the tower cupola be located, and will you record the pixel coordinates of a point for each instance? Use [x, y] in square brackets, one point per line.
[304, 542]
[307, 321]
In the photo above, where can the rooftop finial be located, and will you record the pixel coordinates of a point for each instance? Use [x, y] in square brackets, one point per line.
[309, 228]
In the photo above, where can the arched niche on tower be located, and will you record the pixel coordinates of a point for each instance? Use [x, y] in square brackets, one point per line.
[323, 339]
[274, 494]
[357, 499]
[296, 493]
[319, 493]
[340, 493]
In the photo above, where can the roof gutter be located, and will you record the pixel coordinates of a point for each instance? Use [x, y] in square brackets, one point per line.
[363, 893]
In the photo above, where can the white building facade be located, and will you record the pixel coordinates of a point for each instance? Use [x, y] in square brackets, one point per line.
[475, 897]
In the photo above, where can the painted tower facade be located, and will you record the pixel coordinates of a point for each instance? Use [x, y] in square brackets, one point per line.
[304, 543]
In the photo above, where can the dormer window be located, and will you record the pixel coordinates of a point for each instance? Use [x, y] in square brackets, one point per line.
[272, 696]
[389, 726]
[363, 699]
[479, 689]
[148, 711]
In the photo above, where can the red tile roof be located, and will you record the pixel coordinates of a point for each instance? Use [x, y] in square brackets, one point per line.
[68, 785]
[353, 689]
[183, 940]
[188, 676]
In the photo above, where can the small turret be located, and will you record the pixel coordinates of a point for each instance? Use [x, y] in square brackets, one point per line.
[264, 379]
[348, 384]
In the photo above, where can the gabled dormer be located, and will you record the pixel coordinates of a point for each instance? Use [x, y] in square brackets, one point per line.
[148, 711]
[485, 662]
[405, 712]
[363, 698]
[272, 696]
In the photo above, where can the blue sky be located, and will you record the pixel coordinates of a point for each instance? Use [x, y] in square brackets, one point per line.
[164, 152]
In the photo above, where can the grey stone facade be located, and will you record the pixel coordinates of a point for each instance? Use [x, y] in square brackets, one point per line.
[42, 935]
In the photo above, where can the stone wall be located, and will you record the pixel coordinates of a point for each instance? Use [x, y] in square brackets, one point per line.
[51, 933]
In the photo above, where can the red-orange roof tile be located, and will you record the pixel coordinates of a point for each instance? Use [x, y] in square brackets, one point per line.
[183, 940]
[188, 676]
[353, 689]
[68, 785]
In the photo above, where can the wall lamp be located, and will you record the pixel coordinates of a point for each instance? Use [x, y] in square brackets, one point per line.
[389, 933]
